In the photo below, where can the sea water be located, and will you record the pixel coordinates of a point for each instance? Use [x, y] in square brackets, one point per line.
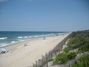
[11, 37]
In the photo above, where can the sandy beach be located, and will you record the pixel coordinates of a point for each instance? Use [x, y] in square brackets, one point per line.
[24, 54]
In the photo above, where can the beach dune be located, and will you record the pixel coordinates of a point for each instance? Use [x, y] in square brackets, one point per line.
[24, 54]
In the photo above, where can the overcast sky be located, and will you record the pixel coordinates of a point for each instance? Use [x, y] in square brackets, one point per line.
[44, 15]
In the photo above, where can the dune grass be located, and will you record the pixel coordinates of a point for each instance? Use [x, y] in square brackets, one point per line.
[82, 62]
[62, 58]
[78, 40]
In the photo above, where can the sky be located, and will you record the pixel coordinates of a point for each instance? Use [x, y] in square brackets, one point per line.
[44, 15]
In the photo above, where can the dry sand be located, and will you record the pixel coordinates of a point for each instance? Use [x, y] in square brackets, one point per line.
[24, 54]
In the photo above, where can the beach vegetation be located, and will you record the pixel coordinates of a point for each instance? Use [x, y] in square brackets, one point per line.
[66, 49]
[82, 62]
[78, 41]
[71, 55]
[62, 58]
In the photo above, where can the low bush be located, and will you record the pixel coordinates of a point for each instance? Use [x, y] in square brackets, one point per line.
[64, 57]
[71, 55]
[84, 48]
[60, 58]
[82, 62]
[66, 50]
[75, 42]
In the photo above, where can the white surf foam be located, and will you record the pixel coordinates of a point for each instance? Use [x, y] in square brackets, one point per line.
[19, 37]
[12, 42]
[3, 44]
[25, 36]
[3, 38]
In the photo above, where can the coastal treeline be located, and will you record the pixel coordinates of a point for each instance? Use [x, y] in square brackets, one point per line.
[76, 48]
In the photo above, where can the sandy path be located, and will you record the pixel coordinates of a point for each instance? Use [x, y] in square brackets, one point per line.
[24, 56]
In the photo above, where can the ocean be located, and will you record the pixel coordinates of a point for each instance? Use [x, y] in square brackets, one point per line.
[11, 37]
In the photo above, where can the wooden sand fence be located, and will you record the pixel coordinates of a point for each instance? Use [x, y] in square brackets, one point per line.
[43, 62]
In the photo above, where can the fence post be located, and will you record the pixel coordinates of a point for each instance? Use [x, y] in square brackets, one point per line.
[50, 54]
[46, 60]
[42, 60]
[36, 64]
[39, 63]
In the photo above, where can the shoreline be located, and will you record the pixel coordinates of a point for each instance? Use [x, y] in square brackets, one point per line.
[32, 38]
[21, 55]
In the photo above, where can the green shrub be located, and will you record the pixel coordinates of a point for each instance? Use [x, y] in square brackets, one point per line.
[75, 42]
[66, 50]
[60, 58]
[64, 57]
[82, 62]
[84, 48]
[71, 55]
